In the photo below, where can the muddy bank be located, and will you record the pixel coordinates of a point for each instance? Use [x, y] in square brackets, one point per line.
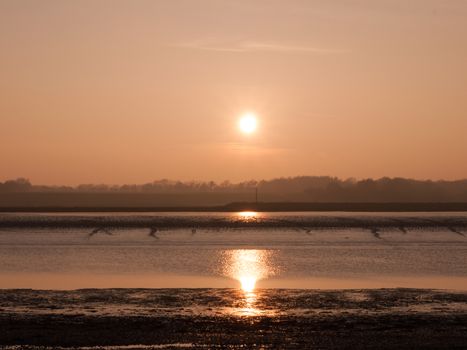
[206, 318]
[454, 223]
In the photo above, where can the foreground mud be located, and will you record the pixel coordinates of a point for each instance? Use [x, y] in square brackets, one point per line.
[229, 318]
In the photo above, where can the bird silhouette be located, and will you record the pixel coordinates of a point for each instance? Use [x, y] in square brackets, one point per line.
[99, 230]
[153, 232]
[375, 231]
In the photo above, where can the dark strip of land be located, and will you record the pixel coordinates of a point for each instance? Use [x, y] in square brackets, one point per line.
[454, 223]
[245, 206]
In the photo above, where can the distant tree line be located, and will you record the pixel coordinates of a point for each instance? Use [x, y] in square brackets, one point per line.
[303, 188]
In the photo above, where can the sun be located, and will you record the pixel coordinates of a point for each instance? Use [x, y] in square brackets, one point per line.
[248, 123]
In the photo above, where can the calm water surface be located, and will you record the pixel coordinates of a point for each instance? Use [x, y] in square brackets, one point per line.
[229, 257]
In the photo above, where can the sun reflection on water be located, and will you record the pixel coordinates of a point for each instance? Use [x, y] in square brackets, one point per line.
[248, 283]
[247, 216]
[248, 266]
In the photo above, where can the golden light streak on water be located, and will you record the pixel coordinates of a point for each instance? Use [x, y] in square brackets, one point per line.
[248, 283]
[248, 266]
[248, 215]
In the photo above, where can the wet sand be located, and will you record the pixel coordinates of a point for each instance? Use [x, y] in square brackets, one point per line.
[232, 318]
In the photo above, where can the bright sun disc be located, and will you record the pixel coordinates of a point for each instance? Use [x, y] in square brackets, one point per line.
[248, 123]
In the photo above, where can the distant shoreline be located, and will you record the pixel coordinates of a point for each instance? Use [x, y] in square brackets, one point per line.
[250, 206]
[228, 217]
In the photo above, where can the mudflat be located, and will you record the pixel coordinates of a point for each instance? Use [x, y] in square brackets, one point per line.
[232, 318]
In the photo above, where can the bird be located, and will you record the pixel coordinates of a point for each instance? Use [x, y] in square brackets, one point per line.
[152, 232]
[100, 229]
[375, 231]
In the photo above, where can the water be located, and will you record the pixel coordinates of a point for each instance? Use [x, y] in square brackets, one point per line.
[228, 255]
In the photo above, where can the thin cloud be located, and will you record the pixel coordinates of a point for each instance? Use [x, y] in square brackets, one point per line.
[254, 150]
[255, 46]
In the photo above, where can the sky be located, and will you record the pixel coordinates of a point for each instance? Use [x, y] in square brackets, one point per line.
[132, 91]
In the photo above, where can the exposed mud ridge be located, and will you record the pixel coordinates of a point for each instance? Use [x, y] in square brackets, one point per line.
[456, 224]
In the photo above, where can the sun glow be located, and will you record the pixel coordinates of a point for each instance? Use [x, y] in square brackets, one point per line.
[247, 283]
[248, 266]
[248, 123]
[247, 216]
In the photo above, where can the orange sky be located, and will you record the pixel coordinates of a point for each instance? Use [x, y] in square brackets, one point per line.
[132, 91]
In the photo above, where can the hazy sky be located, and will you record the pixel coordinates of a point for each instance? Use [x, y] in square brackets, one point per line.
[132, 91]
